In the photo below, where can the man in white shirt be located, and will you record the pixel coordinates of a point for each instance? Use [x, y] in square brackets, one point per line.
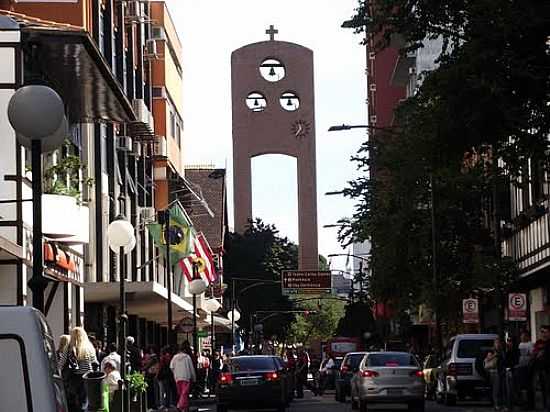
[184, 374]
[112, 357]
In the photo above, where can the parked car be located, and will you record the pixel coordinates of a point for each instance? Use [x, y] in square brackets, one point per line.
[431, 369]
[257, 382]
[461, 373]
[29, 373]
[350, 365]
[388, 377]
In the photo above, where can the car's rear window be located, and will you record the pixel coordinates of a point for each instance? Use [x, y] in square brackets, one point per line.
[474, 348]
[252, 364]
[391, 359]
[353, 361]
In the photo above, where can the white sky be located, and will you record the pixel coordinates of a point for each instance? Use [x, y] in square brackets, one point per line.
[210, 31]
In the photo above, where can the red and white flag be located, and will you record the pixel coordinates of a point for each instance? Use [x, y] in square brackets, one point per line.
[204, 255]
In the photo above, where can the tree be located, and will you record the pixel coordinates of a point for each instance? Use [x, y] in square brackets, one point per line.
[260, 253]
[487, 99]
[319, 323]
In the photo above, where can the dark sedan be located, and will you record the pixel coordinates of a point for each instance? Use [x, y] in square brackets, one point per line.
[257, 382]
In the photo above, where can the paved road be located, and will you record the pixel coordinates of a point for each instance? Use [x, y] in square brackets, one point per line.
[328, 404]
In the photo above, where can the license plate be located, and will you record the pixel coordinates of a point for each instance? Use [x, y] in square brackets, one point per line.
[395, 392]
[250, 382]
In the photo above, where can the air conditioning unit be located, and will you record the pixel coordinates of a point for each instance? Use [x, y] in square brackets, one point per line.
[412, 70]
[136, 149]
[143, 115]
[372, 119]
[124, 143]
[161, 148]
[148, 214]
[150, 49]
[158, 33]
[411, 54]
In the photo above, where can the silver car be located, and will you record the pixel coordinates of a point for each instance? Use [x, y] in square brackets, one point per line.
[388, 377]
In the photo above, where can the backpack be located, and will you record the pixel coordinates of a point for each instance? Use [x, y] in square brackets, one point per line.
[71, 367]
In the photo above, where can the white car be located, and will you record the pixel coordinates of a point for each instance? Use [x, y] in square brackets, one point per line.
[388, 377]
[461, 372]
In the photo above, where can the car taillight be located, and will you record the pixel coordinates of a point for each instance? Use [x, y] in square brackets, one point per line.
[418, 374]
[226, 379]
[369, 374]
[271, 376]
[344, 369]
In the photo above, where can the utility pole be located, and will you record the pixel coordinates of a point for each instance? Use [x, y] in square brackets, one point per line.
[435, 275]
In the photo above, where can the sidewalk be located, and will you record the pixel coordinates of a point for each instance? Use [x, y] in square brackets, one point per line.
[194, 405]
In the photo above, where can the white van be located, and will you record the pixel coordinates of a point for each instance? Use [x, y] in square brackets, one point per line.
[461, 372]
[29, 376]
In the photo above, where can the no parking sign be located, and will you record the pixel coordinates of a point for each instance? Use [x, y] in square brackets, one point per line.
[470, 309]
[517, 307]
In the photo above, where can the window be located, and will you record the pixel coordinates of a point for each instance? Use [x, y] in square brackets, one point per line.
[391, 360]
[14, 375]
[178, 134]
[474, 348]
[253, 364]
[101, 33]
[172, 124]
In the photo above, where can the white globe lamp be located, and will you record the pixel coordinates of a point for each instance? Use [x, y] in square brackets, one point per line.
[120, 234]
[234, 315]
[212, 305]
[197, 286]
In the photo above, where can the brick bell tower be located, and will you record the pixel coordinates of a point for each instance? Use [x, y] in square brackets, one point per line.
[274, 113]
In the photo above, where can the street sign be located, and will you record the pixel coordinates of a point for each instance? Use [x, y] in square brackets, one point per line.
[304, 282]
[470, 310]
[185, 326]
[517, 307]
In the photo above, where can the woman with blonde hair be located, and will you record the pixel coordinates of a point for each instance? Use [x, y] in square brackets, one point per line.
[76, 360]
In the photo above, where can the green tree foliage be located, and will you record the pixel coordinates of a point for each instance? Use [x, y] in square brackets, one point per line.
[356, 321]
[487, 99]
[320, 323]
[260, 253]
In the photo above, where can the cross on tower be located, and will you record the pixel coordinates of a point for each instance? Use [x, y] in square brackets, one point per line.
[272, 31]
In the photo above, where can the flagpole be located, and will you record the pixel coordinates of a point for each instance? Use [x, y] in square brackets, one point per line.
[170, 336]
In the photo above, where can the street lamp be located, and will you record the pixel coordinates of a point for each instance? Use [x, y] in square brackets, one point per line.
[212, 305]
[37, 114]
[122, 240]
[196, 287]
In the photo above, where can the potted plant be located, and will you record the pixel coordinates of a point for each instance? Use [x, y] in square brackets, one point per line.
[138, 389]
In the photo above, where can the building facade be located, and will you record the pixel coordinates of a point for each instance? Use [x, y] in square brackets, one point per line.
[117, 66]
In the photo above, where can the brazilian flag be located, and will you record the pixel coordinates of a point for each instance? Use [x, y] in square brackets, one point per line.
[180, 233]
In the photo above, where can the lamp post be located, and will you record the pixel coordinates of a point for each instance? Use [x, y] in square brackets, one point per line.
[213, 305]
[37, 114]
[233, 316]
[196, 287]
[121, 238]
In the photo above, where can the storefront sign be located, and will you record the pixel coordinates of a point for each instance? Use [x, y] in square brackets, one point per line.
[517, 307]
[305, 282]
[470, 310]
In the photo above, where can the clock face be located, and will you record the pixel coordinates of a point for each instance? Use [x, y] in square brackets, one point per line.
[300, 128]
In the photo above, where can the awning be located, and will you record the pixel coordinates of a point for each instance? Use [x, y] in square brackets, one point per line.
[9, 250]
[66, 57]
[144, 299]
